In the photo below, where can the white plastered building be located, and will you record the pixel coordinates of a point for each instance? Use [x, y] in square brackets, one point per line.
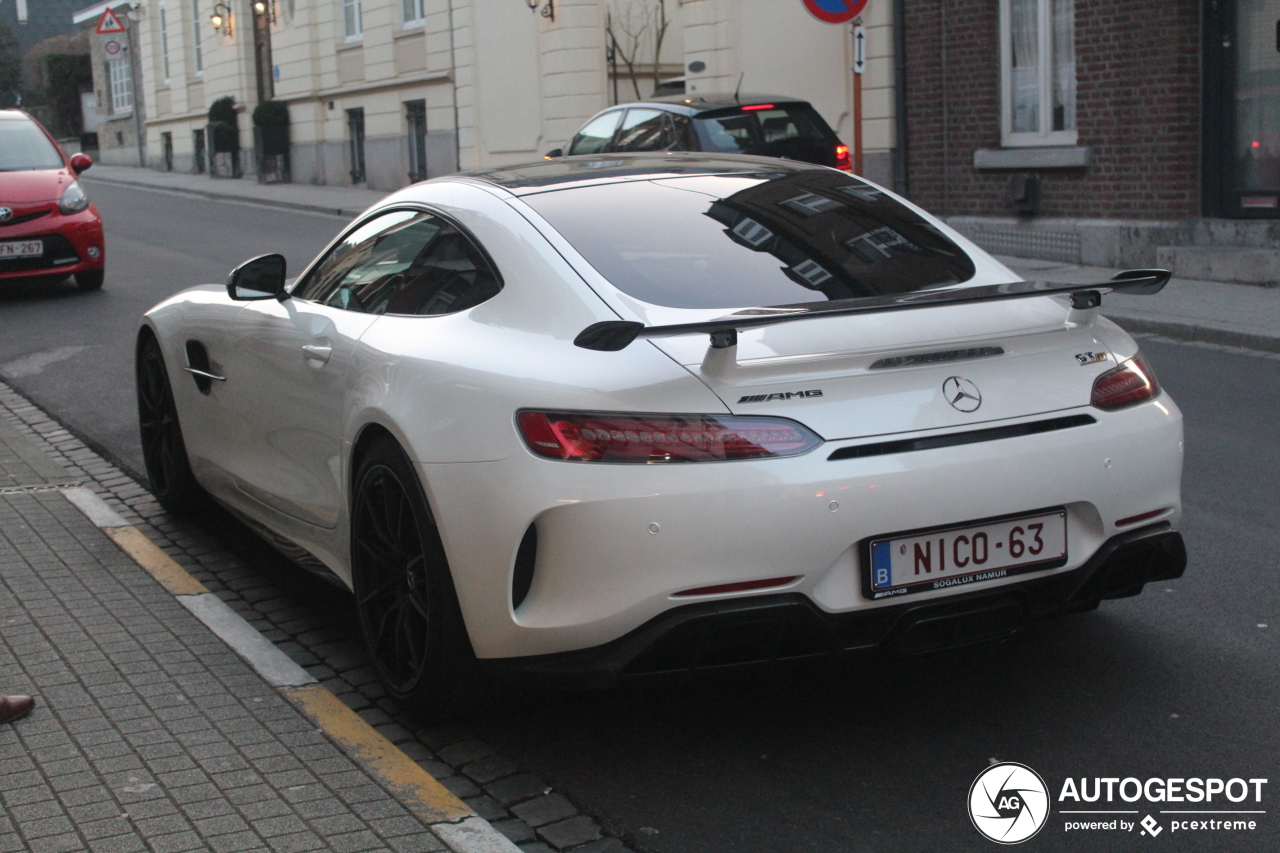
[383, 92]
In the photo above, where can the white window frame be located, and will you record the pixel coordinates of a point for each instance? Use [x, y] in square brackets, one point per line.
[121, 86]
[197, 50]
[1045, 136]
[164, 42]
[418, 6]
[356, 32]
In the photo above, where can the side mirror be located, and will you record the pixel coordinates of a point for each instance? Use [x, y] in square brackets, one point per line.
[80, 162]
[553, 153]
[259, 278]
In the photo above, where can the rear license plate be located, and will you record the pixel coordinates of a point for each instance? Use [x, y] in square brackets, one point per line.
[21, 249]
[967, 554]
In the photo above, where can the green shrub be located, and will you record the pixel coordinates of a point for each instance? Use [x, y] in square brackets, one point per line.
[271, 114]
[224, 125]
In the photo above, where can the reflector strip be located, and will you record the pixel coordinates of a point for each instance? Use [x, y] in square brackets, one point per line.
[1134, 519]
[741, 586]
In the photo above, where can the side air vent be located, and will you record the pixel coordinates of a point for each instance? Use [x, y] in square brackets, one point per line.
[198, 358]
[937, 357]
[526, 559]
[933, 442]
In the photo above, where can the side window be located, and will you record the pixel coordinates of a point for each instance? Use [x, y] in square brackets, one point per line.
[403, 262]
[644, 130]
[597, 135]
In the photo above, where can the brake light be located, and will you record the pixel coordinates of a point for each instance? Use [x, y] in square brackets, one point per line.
[757, 107]
[843, 161]
[1129, 384]
[608, 437]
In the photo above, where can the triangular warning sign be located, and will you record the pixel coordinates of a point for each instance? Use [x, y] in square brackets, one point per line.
[110, 23]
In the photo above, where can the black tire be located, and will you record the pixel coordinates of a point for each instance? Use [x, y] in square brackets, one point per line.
[408, 609]
[91, 280]
[163, 450]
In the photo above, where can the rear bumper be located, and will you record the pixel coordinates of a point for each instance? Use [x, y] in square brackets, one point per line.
[772, 629]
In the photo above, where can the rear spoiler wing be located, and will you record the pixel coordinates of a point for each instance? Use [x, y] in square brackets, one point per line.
[615, 335]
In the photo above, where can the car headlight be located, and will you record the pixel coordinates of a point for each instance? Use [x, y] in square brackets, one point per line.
[73, 199]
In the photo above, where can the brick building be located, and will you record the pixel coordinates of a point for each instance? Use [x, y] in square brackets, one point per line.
[1111, 132]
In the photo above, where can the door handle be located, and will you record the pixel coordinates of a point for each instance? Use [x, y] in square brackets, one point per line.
[320, 354]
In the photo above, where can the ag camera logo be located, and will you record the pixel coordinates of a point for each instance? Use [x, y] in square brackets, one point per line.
[1008, 802]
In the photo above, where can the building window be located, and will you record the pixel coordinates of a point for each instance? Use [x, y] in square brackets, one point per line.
[195, 37]
[164, 44]
[355, 144]
[1038, 65]
[121, 86]
[413, 11]
[352, 19]
[415, 113]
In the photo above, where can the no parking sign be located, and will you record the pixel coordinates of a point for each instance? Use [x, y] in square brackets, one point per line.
[835, 11]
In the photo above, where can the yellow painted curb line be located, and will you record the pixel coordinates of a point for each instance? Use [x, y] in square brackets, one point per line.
[413, 786]
[429, 800]
[154, 561]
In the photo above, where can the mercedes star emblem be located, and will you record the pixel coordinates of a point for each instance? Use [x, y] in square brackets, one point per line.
[962, 394]
[6, 213]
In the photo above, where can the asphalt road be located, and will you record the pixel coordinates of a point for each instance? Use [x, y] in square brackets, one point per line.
[1181, 681]
[73, 351]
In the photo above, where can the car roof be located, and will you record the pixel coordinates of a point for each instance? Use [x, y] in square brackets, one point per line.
[590, 169]
[14, 115]
[692, 104]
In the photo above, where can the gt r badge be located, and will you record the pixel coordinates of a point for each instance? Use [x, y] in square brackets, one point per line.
[6, 213]
[962, 394]
[788, 395]
[1090, 357]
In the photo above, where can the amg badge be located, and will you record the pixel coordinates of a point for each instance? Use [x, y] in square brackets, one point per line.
[786, 395]
[1090, 357]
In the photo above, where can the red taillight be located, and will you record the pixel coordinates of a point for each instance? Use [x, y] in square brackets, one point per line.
[604, 437]
[1129, 384]
[757, 107]
[842, 158]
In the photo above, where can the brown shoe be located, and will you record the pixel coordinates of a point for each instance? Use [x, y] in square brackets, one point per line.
[15, 707]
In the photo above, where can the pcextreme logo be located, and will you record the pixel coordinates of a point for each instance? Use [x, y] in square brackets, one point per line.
[1009, 803]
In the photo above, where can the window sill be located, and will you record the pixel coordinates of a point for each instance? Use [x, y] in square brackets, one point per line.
[1074, 157]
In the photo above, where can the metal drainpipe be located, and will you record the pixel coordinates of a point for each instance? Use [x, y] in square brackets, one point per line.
[946, 117]
[453, 76]
[900, 96]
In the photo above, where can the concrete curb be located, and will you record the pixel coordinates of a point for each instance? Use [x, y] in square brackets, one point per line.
[347, 212]
[452, 821]
[1193, 332]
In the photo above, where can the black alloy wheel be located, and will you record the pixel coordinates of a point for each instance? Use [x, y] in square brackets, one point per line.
[409, 615]
[163, 450]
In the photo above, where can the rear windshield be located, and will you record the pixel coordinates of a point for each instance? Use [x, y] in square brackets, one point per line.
[732, 241]
[755, 126]
[24, 147]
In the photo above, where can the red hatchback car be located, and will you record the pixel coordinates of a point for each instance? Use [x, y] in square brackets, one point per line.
[48, 227]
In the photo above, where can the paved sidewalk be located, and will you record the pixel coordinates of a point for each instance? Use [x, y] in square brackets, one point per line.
[339, 201]
[151, 734]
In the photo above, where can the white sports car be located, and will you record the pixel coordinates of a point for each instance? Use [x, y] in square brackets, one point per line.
[589, 419]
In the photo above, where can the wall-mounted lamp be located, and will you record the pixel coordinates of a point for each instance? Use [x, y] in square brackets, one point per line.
[548, 11]
[266, 8]
[221, 19]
